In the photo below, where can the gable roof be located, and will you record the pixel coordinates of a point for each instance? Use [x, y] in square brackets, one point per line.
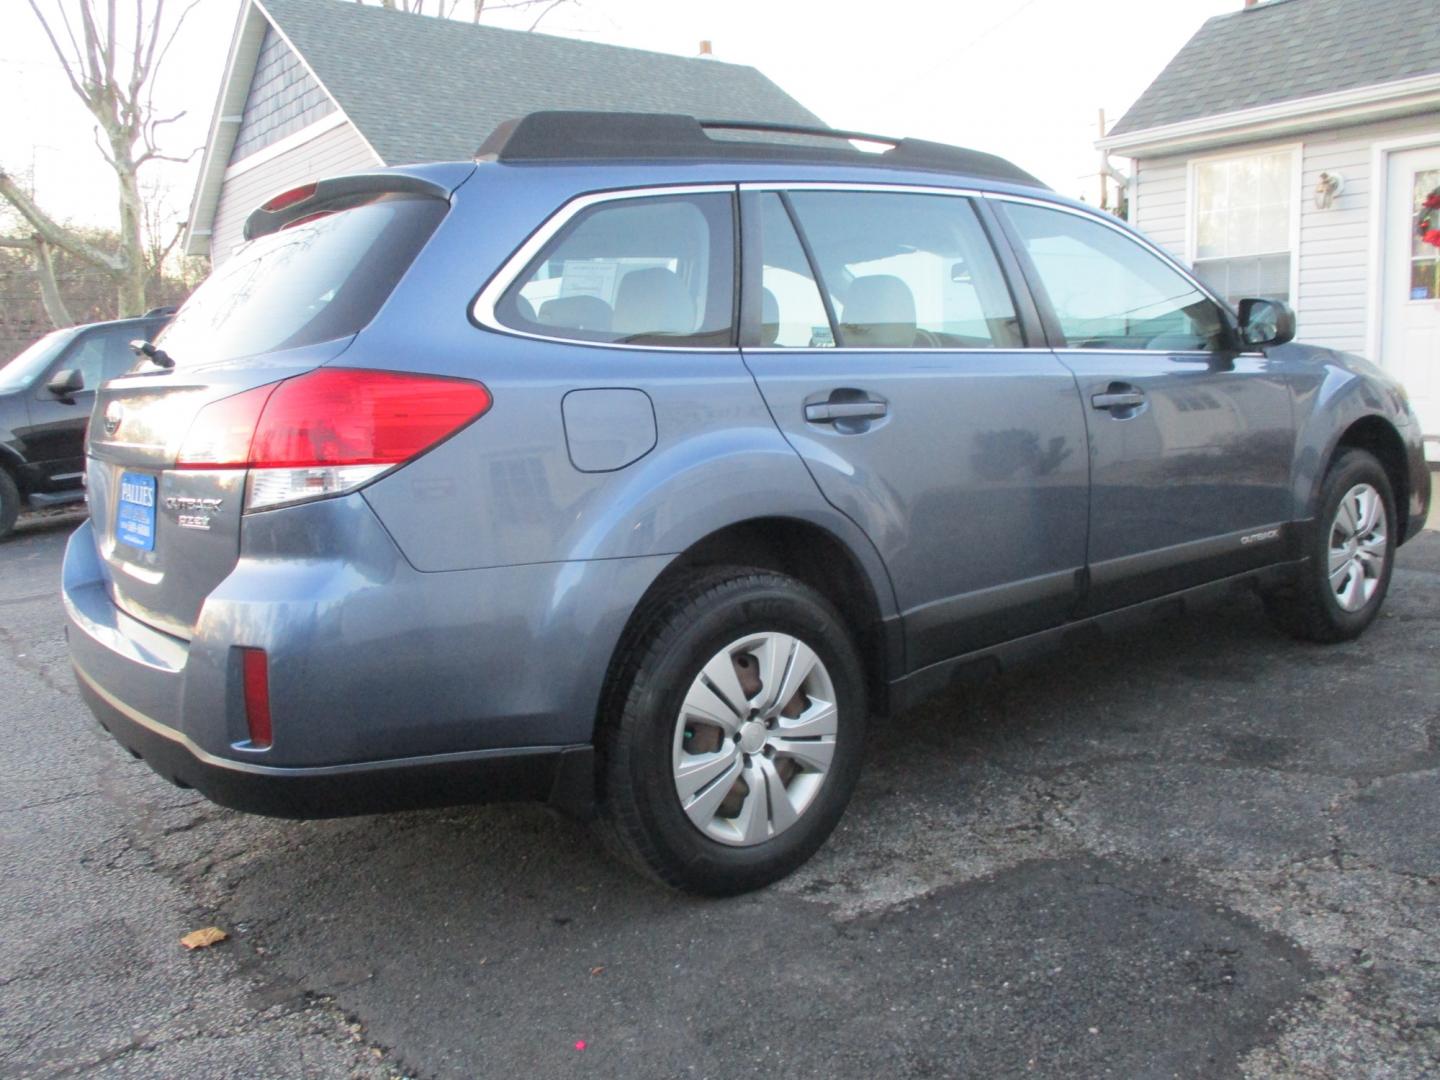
[420, 88]
[431, 89]
[1284, 50]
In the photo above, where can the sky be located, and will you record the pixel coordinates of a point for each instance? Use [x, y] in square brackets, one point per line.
[1021, 78]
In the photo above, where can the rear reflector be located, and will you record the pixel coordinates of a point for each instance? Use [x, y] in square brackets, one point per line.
[328, 431]
[256, 671]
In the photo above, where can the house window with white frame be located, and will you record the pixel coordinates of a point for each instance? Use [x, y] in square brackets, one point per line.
[1242, 227]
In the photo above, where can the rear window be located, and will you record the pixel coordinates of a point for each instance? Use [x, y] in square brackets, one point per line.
[319, 279]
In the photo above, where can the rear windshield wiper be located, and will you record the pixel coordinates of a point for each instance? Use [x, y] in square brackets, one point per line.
[156, 356]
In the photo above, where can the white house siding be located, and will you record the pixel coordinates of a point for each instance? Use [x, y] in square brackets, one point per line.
[1334, 245]
[331, 152]
[1160, 202]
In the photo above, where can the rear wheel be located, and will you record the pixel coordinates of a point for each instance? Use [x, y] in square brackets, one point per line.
[734, 740]
[9, 504]
[1344, 582]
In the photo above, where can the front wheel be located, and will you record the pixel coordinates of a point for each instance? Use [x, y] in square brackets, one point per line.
[734, 740]
[1343, 583]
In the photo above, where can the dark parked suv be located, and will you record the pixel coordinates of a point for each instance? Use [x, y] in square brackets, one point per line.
[46, 394]
[636, 470]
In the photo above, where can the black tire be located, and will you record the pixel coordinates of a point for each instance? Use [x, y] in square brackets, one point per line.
[9, 504]
[679, 633]
[1311, 610]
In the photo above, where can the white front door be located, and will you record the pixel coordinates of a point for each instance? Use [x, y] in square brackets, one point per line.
[1410, 286]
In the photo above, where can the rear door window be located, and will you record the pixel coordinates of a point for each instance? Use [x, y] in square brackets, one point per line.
[634, 271]
[905, 271]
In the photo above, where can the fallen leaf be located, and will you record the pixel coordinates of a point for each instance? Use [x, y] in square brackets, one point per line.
[597, 970]
[203, 939]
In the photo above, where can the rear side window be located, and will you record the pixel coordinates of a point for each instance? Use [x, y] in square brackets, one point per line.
[635, 271]
[907, 271]
[321, 278]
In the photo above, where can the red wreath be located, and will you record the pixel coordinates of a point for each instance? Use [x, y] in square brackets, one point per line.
[1427, 225]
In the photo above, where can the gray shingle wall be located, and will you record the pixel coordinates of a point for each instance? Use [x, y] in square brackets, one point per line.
[284, 97]
[1287, 49]
[429, 89]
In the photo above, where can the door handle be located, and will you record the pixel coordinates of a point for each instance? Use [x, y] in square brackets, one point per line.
[827, 412]
[1132, 399]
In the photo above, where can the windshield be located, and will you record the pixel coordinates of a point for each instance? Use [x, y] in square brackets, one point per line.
[319, 279]
[22, 370]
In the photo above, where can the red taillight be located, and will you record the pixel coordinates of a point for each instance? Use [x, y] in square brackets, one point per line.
[289, 198]
[345, 416]
[256, 676]
[331, 417]
[219, 437]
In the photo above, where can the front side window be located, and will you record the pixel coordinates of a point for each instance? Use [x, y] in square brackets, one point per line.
[635, 271]
[1242, 224]
[103, 354]
[1108, 292]
[904, 271]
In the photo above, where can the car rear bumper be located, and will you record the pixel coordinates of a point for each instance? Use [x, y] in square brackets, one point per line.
[561, 775]
[388, 687]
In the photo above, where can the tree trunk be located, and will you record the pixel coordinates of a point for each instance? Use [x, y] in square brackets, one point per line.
[131, 278]
[49, 288]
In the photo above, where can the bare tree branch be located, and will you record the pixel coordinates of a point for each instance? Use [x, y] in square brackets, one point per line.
[51, 232]
[551, 7]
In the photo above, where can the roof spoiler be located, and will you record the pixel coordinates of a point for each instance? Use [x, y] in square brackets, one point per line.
[612, 136]
[329, 196]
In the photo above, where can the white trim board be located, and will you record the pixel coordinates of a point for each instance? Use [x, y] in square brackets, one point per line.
[328, 122]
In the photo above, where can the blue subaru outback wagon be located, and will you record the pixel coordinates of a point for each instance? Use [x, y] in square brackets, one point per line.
[635, 469]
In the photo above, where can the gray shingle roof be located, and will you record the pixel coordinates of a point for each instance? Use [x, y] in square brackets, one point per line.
[1287, 49]
[430, 89]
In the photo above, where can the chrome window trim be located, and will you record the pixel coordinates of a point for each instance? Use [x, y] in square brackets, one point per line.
[845, 185]
[482, 308]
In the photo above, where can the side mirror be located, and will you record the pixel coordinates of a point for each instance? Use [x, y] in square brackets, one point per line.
[1266, 322]
[66, 384]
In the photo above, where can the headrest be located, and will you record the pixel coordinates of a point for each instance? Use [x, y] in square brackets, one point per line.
[879, 312]
[653, 301]
[577, 313]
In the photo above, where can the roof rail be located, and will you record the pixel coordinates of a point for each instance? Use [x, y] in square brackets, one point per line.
[611, 136]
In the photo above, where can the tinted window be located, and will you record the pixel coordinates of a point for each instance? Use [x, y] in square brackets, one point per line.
[643, 271]
[1108, 292]
[907, 271]
[321, 278]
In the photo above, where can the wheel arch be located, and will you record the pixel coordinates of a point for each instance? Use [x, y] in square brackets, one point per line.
[1378, 436]
[808, 552]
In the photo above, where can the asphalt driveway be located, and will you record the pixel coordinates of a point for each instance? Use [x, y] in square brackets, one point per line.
[1201, 850]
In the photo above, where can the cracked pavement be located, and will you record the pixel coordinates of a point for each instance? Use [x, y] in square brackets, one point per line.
[1198, 850]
